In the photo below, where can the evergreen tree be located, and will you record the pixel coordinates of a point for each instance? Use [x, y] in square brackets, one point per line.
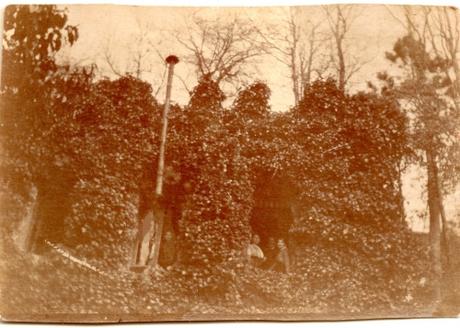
[427, 97]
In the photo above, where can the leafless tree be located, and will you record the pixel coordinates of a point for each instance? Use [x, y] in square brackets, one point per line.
[340, 18]
[296, 44]
[222, 48]
[143, 58]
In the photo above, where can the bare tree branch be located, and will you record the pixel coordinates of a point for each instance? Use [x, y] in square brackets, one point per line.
[110, 63]
[184, 84]
[295, 44]
[340, 18]
[220, 48]
[142, 54]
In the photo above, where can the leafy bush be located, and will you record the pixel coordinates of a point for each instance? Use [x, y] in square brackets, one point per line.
[52, 284]
[359, 142]
[355, 267]
[214, 181]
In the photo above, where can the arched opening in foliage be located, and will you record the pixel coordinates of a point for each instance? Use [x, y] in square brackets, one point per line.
[274, 209]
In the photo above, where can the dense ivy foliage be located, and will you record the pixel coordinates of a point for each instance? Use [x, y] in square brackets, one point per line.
[212, 184]
[81, 155]
[113, 135]
[352, 147]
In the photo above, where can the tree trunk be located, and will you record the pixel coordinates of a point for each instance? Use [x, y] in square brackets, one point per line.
[444, 241]
[341, 59]
[294, 76]
[456, 84]
[435, 223]
[401, 197]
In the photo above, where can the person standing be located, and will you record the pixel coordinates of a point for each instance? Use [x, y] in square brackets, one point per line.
[168, 254]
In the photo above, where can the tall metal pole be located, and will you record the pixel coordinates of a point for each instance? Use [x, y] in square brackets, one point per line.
[171, 60]
[157, 210]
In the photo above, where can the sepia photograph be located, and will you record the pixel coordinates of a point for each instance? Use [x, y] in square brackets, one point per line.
[229, 163]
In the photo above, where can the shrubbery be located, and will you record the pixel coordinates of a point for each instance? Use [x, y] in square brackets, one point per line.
[360, 266]
[88, 148]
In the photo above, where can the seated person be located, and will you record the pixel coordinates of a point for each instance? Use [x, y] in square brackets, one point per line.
[254, 252]
[270, 253]
[281, 263]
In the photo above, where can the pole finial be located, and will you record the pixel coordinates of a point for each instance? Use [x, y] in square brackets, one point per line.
[171, 59]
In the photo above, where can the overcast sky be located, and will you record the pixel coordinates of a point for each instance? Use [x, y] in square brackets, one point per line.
[111, 29]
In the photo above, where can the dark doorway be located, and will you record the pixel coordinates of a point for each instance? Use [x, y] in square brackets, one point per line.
[52, 205]
[272, 213]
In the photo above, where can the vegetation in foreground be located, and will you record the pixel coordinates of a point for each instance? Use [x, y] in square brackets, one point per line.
[79, 152]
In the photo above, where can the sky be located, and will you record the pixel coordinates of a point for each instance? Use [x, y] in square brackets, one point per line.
[112, 30]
